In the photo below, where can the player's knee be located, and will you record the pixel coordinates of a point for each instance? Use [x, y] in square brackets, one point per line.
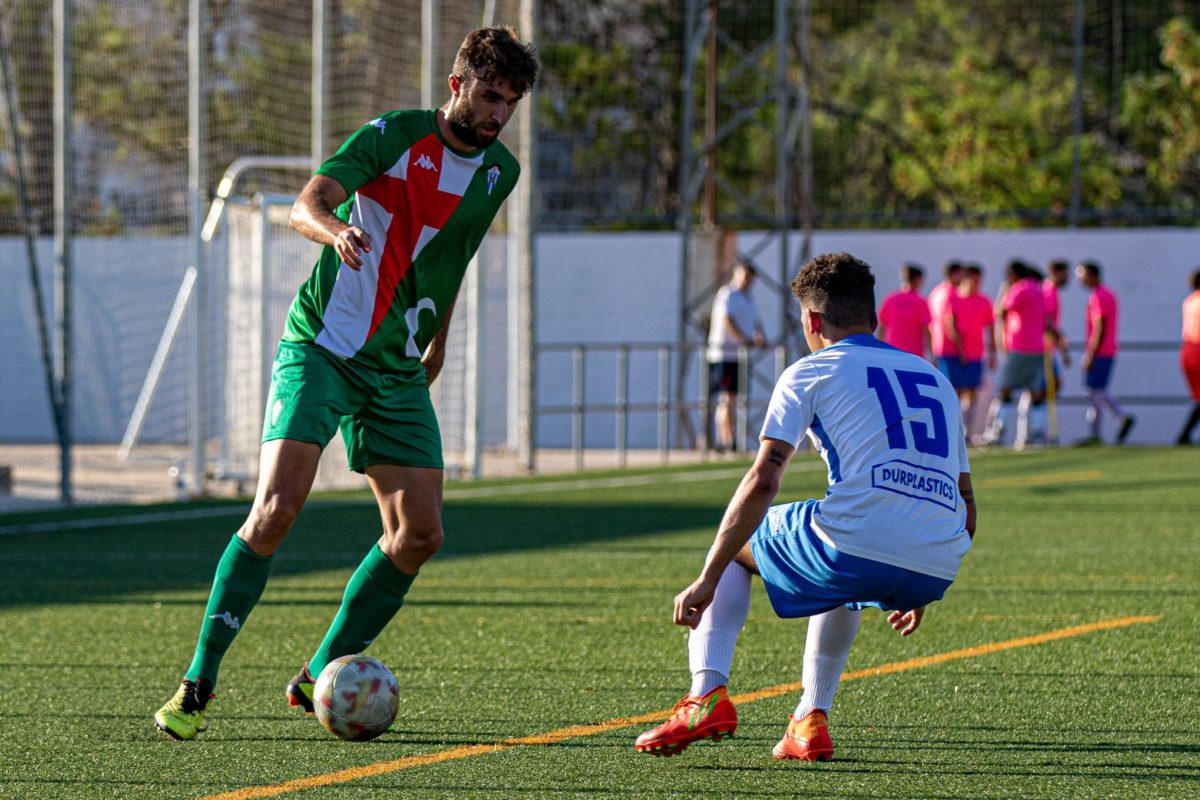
[269, 522]
[420, 542]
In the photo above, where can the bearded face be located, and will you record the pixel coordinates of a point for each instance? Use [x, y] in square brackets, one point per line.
[480, 109]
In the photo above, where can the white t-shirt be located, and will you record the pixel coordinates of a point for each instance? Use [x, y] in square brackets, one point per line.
[738, 306]
[888, 426]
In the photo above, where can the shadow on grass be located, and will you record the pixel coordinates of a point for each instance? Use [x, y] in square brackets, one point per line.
[173, 556]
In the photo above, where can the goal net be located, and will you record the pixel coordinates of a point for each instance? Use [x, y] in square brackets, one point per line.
[267, 262]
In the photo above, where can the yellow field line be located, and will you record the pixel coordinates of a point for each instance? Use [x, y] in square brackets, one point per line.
[576, 731]
[1043, 479]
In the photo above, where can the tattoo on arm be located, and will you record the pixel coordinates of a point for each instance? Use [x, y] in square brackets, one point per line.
[777, 458]
[968, 495]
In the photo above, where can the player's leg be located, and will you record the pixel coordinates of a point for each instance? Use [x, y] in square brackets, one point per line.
[287, 470]
[827, 648]
[706, 712]
[410, 502]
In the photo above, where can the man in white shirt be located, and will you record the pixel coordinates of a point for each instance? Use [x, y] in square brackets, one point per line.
[735, 324]
[890, 532]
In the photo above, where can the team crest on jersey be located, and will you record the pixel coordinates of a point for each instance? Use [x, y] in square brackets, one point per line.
[379, 122]
[493, 175]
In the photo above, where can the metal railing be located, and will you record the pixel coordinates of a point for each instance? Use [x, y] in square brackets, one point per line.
[759, 370]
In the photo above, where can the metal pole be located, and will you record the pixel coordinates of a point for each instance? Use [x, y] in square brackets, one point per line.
[429, 54]
[622, 405]
[64, 219]
[710, 122]
[1076, 152]
[522, 269]
[664, 400]
[782, 153]
[474, 368]
[266, 327]
[577, 404]
[320, 82]
[741, 412]
[196, 154]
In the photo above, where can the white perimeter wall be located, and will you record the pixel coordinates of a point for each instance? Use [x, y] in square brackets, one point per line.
[620, 288]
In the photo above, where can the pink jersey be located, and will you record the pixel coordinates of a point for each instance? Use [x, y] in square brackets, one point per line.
[973, 314]
[905, 315]
[1050, 295]
[1103, 305]
[1191, 318]
[943, 296]
[1025, 318]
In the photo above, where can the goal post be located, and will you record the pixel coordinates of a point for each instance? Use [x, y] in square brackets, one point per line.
[266, 263]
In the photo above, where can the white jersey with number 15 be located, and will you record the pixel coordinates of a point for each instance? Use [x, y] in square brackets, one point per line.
[888, 426]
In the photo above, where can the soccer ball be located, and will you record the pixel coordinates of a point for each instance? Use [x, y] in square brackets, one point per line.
[356, 698]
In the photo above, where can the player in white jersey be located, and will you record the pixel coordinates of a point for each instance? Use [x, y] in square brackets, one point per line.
[890, 532]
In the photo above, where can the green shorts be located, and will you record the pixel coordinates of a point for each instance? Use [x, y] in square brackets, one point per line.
[385, 418]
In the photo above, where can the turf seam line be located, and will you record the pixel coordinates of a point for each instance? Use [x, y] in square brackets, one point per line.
[577, 731]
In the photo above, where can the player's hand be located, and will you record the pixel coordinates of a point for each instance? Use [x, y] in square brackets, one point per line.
[1086, 362]
[350, 244]
[1066, 358]
[691, 602]
[906, 622]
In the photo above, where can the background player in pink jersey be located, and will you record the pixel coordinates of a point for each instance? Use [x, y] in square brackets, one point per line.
[1023, 320]
[972, 316]
[1100, 353]
[904, 314]
[400, 208]
[1189, 356]
[943, 338]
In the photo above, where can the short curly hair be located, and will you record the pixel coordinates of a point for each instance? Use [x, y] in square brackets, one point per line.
[495, 53]
[838, 286]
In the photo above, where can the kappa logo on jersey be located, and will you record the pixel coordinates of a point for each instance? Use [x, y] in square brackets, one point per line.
[426, 162]
[380, 123]
[228, 619]
[493, 175]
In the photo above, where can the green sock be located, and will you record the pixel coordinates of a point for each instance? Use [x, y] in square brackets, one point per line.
[241, 576]
[373, 596]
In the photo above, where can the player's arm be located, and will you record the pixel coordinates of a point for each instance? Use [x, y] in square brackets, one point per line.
[313, 217]
[1093, 345]
[742, 517]
[435, 353]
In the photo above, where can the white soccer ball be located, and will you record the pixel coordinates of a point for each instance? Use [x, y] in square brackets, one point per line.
[356, 698]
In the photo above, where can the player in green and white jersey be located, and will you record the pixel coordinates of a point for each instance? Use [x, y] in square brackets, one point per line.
[401, 208]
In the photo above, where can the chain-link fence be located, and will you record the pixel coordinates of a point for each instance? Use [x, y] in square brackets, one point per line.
[826, 113]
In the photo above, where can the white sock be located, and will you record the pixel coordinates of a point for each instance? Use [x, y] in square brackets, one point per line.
[711, 644]
[826, 650]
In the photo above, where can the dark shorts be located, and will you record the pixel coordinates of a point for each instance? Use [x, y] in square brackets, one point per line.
[962, 376]
[384, 418]
[804, 576]
[1099, 373]
[723, 376]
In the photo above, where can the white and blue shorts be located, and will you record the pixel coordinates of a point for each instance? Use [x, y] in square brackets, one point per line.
[805, 576]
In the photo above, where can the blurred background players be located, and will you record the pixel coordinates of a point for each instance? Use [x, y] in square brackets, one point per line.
[943, 341]
[1100, 353]
[974, 320]
[1022, 316]
[1056, 341]
[1189, 356]
[734, 324]
[904, 314]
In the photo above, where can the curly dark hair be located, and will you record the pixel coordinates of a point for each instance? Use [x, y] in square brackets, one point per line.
[840, 287]
[489, 54]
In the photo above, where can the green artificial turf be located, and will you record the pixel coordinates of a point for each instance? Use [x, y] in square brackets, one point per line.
[549, 607]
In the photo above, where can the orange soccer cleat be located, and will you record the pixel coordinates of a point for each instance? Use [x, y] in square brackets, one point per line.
[694, 718]
[806, 739]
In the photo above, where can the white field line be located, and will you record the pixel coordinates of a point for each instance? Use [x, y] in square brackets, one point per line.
[452, 493]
